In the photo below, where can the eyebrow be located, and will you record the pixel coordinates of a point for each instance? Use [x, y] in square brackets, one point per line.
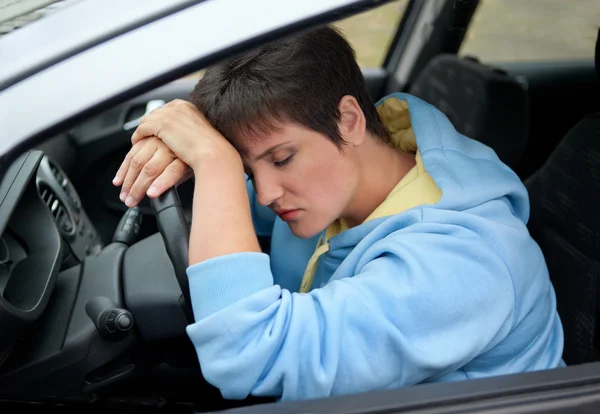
[270, 150]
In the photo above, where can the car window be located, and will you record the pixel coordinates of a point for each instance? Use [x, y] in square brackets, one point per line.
[533, 30]
[372, 32]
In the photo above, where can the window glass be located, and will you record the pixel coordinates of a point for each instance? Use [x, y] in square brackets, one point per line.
[371, 33]
[533, 30]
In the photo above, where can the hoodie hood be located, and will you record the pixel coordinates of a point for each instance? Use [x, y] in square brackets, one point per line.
[467, 172]
[452, 172]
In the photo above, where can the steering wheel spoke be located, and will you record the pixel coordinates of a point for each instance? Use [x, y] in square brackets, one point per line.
[175, 232]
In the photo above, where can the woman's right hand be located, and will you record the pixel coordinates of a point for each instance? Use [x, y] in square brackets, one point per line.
[150, 168]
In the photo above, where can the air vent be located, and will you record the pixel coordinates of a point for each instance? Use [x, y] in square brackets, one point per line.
[57, 209]
[60, 177]
[66, 185]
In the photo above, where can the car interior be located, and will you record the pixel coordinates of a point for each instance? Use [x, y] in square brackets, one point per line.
[93, 295]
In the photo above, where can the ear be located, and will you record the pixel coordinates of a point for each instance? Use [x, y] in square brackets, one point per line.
[352, 124]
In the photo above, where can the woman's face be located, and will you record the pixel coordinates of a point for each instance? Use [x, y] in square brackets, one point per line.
[302, 176]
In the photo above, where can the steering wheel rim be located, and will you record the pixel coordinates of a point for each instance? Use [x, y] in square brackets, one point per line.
[175, 232]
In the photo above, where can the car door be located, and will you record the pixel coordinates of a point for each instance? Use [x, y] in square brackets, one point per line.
[573, 390]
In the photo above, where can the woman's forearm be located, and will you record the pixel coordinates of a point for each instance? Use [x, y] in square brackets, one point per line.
[222, 222]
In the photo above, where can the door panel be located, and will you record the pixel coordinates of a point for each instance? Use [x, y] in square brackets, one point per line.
[565, 390]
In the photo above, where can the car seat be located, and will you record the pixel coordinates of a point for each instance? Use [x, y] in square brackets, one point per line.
[482, 102]
[565, 221]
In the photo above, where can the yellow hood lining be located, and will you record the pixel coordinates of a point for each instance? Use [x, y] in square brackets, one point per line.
[394, 115]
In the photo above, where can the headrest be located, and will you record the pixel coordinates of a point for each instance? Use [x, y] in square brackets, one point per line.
[482, 102]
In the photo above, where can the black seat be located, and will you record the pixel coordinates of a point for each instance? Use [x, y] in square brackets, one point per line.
[565, 221]
[482, 102]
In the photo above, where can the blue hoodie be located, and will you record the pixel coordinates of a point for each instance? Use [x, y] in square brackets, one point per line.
[440, 292]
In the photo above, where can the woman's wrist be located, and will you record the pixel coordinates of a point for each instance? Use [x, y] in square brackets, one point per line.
[221, 160]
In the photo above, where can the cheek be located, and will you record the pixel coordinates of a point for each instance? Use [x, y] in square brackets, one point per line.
[324, 185]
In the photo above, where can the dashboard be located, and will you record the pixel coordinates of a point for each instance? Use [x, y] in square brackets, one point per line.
[65, 281]
[43, 230]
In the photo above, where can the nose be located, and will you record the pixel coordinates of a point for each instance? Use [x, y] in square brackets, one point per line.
[268, 189]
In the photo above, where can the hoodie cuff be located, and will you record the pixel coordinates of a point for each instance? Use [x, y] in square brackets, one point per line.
[221, 281]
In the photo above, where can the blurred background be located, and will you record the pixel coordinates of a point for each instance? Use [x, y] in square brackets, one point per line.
[539, 30]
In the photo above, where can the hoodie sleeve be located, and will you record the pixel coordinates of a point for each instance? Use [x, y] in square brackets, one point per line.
[421, 304]
[262, 217]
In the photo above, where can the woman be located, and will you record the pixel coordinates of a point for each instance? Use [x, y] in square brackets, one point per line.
[400, 253]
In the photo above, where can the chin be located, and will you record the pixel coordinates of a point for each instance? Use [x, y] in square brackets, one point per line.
[303, 232]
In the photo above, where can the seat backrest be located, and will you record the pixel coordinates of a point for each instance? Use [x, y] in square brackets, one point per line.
[483, 103]
[565, 221]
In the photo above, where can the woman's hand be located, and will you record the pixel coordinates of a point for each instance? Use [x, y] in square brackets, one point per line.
[151, 168]
[168, 144]
[173, 141]
[185, 130]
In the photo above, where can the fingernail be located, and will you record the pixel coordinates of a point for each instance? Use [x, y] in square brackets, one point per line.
[122, 196]
[152, 191]
[129, 202]
[116, 180]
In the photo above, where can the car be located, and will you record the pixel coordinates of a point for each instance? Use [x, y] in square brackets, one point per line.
[94, 300]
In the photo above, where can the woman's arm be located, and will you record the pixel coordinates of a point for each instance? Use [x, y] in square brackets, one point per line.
[171, 145]
[401, 318]
[222, 221]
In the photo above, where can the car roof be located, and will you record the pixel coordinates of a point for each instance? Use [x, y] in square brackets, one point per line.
[118, 62]
[70, 27]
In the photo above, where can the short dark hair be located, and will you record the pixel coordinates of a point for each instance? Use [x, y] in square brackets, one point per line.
[299, 79]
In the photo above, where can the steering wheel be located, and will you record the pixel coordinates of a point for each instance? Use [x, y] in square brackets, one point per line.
[175, 232]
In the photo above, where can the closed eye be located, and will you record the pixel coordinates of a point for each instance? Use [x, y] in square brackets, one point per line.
[284, 162]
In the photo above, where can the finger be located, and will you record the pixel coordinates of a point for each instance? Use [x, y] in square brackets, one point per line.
[137, 162]
[156, 166]
[122, 171]
[149, 126]
[189, 174]
[176, 173]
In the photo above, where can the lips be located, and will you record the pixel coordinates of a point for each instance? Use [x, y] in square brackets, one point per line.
[287, 215]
